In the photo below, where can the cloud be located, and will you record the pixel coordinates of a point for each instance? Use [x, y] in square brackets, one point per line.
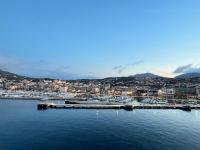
[117, 67]
[183, 69]
[121, 68]
[187, 69]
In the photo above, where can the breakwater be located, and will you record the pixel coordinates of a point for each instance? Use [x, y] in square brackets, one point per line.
[119, 106]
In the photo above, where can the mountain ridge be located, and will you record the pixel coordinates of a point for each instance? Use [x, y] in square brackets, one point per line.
[145, 75]
[13, 76]
[188, 75]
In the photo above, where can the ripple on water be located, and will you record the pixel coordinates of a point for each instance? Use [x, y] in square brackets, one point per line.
[23, 127]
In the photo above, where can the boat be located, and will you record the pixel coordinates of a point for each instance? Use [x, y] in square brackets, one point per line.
[186, 108]
[44, 99]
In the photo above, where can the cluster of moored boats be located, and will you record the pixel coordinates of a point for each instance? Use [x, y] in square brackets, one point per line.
[127, 100]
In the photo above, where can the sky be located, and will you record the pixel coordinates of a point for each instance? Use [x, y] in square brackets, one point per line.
[72, 39]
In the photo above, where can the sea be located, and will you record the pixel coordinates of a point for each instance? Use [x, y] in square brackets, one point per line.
[23, 127]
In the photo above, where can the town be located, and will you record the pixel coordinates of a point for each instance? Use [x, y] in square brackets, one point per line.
[144, 86]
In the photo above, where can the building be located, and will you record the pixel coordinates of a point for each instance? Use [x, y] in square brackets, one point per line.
[153, 92]
[198, 92]
[166, 92]
[185, 92]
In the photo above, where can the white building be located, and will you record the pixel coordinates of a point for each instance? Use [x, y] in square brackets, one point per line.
[166, 92]
[198, 91]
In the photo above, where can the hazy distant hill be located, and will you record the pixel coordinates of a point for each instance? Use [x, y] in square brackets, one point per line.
[188, 75]
[143, 76]
[10, 76]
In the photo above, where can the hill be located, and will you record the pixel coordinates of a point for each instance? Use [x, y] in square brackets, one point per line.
[188, 75]
[10, 76]
[145, 76]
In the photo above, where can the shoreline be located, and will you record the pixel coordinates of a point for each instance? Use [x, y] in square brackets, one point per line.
[80, 99]
[87, 105]
[29, 98]
[18, 98]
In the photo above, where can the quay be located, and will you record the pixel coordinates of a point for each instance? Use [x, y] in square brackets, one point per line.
[43, 106]
[78, 106]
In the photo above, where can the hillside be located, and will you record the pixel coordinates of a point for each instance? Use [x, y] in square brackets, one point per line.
[10, 76]
[188, 75]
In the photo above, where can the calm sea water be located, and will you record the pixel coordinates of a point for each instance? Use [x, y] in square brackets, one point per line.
[23, 127]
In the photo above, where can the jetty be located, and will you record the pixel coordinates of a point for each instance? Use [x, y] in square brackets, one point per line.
[128, 107]
[78, 106]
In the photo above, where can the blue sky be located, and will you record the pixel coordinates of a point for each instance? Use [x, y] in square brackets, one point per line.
[99, 38]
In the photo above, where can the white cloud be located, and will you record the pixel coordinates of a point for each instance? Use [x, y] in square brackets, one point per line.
[187, 69]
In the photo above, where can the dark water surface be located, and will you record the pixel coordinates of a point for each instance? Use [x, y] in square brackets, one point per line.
[23, 127]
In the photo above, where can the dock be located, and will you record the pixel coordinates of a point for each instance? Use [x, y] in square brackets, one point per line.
[43, 106]
[78, 106]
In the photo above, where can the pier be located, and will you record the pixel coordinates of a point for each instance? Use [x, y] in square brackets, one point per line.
[78, 106]
[42, 106]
